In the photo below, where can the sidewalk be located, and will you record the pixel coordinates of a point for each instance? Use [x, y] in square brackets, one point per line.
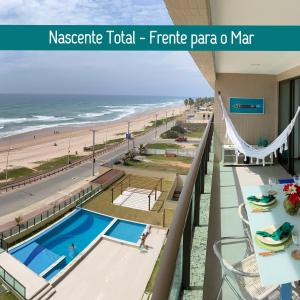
[37, 208]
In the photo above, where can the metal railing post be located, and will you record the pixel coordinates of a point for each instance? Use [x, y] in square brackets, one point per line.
[202, 177]
[179, 240]
[186, 256]
[198, 187]
[205, 159]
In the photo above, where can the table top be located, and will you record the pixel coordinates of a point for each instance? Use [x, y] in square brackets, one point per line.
[279, 268]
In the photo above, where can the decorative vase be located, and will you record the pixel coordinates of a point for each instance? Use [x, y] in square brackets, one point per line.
[289, 207]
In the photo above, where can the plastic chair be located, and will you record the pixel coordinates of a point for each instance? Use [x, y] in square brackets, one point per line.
[244, 273]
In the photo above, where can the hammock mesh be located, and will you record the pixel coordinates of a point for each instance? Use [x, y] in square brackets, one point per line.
[280, 143]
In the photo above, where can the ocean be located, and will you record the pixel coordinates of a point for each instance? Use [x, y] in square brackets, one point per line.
[25, 113]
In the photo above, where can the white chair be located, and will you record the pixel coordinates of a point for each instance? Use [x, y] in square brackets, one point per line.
[244, 273]
[244, 218]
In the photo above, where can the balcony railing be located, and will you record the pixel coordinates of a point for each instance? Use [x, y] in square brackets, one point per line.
[17, 183]
[174, 272]
[13, 283]
[78, 199]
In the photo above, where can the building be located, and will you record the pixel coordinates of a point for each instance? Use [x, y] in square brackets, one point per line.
[273, 76]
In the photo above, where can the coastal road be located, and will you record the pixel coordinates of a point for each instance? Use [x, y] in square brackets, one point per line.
[35, 192]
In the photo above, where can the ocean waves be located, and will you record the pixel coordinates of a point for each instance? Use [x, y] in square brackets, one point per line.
[51, 113]
[11, 120]
[4, 121]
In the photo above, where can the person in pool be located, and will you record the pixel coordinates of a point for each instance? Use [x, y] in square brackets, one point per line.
[72, 247]
[72, 250]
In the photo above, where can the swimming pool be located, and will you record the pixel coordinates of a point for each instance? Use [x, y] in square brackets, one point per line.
[52, 250]
[126, 230]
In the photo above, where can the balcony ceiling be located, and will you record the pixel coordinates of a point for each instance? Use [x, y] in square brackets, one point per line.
[194, 12]
[255, 12]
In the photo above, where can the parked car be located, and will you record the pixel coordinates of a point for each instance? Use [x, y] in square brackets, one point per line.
[181, 139]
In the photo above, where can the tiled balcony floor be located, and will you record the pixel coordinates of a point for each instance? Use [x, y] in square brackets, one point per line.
[225, 187]
[198, 257]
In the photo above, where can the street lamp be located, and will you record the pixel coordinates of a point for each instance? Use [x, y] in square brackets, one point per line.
[93, 131]
[166, 120]
[173, 118]
[155, 125]
[6, 167]
[128, 135]
[69, 148]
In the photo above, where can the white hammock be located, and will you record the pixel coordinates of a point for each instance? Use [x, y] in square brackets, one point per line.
[249, 151]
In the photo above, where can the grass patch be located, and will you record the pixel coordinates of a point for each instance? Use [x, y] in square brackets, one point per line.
[103, 203]
[109, 142]
[56, 162]
[163, 146]
[42, 166]
[137, 132]
[102, 146]
[121, 134]
[197, 133]
[16, 173]
[160, 122]
[97, 147]
[8, 296]
[133, 132]
[150, 284]
[184, 159]
[163, 163]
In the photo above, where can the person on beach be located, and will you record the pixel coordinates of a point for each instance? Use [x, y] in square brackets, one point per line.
[149, 229]
[143, 240]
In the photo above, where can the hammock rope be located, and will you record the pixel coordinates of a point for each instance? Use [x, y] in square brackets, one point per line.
[280, 143]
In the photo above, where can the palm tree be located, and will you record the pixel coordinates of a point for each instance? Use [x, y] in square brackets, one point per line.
[124, 159]
[18, 221]
[127, 157]
[191, 102]
[186, 102]
[142, 149]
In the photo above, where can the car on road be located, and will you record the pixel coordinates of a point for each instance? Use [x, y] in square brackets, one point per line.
[181, 139]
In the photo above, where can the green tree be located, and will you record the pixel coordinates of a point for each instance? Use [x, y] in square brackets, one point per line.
[191, 102]
[186, 102]
[142, 149]
[18, 220]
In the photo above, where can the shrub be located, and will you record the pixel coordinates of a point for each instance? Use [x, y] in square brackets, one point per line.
[178, 129]
[170, 134]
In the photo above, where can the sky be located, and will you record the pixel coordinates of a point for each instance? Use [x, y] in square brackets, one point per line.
[96, 72]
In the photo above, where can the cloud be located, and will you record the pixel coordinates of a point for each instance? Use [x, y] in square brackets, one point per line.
[83, 12]
[153, 73]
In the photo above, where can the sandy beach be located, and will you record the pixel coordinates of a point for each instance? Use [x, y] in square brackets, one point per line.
[30, 148]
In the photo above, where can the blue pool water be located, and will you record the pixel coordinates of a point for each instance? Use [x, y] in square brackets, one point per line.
[80, 228]
[126, 230]
[49, 252]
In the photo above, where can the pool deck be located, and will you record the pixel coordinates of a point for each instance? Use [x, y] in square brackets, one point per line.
[137, 198]
[32, 282]
[112, 271]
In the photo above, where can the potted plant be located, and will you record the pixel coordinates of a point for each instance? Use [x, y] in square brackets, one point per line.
[292, 201]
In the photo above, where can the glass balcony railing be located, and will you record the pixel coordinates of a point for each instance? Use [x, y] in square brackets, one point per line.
[174, 272]
[78, 199]
[13, 283]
